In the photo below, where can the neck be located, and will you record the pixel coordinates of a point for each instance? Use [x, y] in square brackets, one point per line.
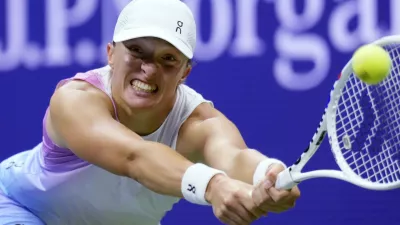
[145, 122]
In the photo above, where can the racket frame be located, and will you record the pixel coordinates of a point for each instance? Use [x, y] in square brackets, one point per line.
[292, 175]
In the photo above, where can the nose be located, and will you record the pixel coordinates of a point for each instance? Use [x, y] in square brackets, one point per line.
[149, 68]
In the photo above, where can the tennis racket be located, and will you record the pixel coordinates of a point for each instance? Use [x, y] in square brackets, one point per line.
[363, 125]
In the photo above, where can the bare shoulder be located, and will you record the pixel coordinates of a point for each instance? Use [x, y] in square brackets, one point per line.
[79, 85]
[77, 89]
[204, 111]
[69, 99]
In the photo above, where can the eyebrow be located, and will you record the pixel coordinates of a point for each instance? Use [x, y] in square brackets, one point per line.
[190, 61]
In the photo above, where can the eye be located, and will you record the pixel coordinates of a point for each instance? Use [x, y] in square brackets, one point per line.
[135, 49]
[169, 58]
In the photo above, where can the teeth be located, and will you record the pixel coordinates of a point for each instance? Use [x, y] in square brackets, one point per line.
[140, 86]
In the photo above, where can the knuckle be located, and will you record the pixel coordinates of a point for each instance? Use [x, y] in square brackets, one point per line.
[283, 196]
[222, 212]
[218, 213]
[272, 175]
[232, 199]
[228, 202]
[295, 191]
[266, 200]
[256, 200]
[235, 195]
[259, 202]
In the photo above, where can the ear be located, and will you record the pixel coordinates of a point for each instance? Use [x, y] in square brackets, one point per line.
[187, 71]
[110, 55]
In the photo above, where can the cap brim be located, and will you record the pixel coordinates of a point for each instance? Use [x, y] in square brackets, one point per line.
[132, 33]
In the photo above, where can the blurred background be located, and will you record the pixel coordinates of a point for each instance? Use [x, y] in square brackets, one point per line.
[267, 64]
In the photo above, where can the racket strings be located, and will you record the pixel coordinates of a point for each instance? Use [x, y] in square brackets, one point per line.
[379, 167]
[364, 165]
[368, 118]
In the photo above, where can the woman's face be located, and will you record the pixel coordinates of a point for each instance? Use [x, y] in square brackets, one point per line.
[146, 72]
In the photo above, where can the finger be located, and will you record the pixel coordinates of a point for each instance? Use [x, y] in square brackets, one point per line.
[277, 195]
[256, 195]
[241, 212]
[252, 207]
[228, 221]
[227, 217]
[232, 218]
[295, 192]
[270, 206]
[276, 208]
[259, 212]
[280, 196]
[261, 199]
[273, 172]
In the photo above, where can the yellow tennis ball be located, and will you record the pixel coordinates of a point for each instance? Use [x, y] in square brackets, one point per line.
[371, 63]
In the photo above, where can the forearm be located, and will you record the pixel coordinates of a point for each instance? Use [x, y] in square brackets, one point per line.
[159, 168]
[238, 161]
[164, 171]
[223, 148]
[243, 165]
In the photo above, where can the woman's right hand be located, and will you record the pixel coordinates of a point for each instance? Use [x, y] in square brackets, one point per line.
[232, 201]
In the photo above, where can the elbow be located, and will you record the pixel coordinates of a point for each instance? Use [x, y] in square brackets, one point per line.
[134, 163]
[131, 166]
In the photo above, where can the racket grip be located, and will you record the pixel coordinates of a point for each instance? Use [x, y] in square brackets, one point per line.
[284, 180]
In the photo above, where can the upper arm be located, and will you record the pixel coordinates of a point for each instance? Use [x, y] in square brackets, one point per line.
[81, 119]
[211, 136]
[64, 118]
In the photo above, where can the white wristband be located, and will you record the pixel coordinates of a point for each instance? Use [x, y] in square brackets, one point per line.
[262, 169]
[195, 182]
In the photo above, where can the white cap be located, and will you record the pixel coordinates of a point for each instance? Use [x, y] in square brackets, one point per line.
[170, 20]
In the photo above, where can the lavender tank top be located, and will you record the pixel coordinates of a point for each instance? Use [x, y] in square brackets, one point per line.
[61, 188]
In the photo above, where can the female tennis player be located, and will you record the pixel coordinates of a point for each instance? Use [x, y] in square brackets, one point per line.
[123, 143]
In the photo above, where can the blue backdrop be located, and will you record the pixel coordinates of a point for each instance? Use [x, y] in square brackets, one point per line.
[268, 65]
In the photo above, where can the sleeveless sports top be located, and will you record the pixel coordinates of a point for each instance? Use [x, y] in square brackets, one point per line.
[61, 188]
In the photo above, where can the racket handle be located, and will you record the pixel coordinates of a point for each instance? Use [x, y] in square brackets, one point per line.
[284, 180]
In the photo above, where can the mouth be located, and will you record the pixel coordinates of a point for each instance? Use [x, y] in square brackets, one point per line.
[143, 87]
